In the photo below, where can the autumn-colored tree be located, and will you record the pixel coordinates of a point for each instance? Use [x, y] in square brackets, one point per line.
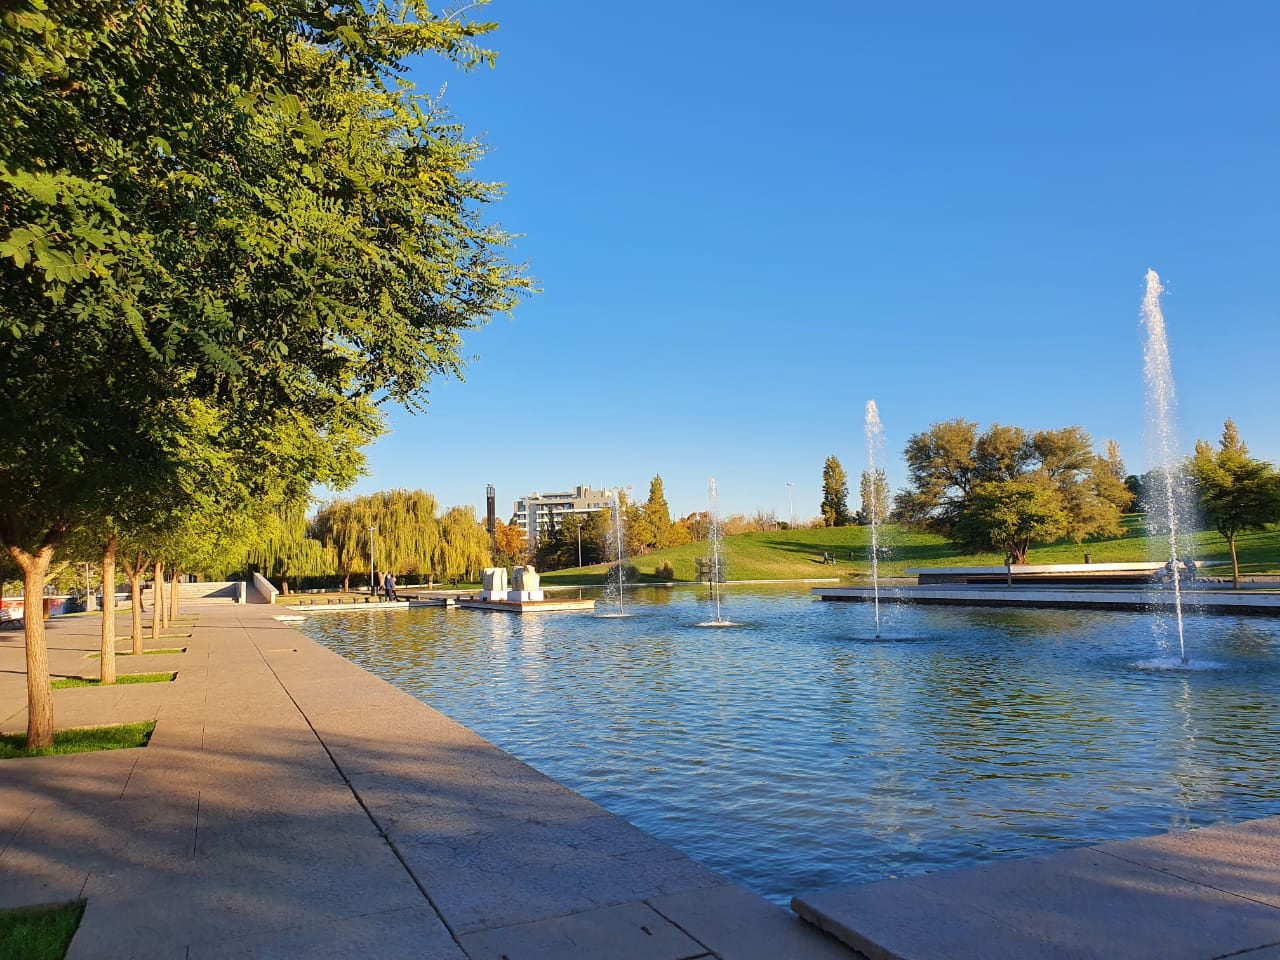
[512, 544]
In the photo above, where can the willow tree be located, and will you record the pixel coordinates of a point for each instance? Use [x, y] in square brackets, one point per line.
[464, 545]
[246, 208]
[345, 528]
[283, 550]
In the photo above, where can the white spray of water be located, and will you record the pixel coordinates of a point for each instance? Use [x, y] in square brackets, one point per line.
[1162, 437]
[713, 534]
[616, 505]
[875, 454]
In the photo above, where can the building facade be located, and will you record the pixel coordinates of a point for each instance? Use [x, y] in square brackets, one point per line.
[541, 511]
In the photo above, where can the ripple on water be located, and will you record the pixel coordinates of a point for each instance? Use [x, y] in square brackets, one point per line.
[792, 755]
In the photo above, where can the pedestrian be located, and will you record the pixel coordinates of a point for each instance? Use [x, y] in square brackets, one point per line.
[389, 586]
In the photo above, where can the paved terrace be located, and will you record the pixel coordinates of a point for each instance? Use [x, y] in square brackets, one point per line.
[292, 805]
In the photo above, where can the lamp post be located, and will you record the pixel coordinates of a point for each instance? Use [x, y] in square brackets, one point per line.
[791, 505]
[373, 570]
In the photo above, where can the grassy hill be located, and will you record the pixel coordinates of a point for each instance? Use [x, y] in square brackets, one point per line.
[797, 554]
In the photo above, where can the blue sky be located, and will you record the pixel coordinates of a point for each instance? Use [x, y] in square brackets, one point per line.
[747, 222]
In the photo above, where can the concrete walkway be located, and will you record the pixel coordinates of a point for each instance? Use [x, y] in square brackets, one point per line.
[292, 805]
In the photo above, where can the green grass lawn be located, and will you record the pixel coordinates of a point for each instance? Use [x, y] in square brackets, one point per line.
[82, 740]
[67, 683]
[40, 933]
[797, 554]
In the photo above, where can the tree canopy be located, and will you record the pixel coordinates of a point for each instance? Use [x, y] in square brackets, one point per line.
[225, 239]
[1006, 487]
[1236, 492]
[835, 494]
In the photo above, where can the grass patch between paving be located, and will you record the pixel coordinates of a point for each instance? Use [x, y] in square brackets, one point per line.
[67, 683]
[39, 933]
[81, 740]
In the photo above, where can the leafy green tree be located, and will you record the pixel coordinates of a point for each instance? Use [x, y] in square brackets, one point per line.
[835, 494]
[464, 548]
[952, 469]
[1110, 481]
[1237, 493]
[876, 498]
[285, 551]
[245, 209]
[1009, 515]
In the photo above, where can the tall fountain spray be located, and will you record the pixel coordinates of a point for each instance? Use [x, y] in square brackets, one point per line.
[875, 455]
[1162, 435]
[616, 504]
[713, 536]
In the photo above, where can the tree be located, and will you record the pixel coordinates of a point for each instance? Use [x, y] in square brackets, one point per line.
[876, 499]
[658, 515]
[1237, 493]
[463, 549]
[1110, 481]
[1008, 515]
[954, 473]
[245, 212]
[835, 494]
[285, 551]
[511, 545]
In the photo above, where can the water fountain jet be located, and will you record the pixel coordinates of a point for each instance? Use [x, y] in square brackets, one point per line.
[1162, 435]
[875, 452]
[714, 577]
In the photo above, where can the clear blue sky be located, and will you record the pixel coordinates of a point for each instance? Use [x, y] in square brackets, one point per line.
[748, 221]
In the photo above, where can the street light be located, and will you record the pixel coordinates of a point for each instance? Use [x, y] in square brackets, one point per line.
[791, 504]
[373, 574]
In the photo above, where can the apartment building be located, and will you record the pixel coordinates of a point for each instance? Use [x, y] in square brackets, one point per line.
[538, 511]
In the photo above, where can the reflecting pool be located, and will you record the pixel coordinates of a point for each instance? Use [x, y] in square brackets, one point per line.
[794, 752]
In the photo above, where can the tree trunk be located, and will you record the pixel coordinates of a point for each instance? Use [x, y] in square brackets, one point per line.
[284, 587]
[135, 600]
[39, 693]
[346, 583]
[157, 602]
[173, 595]
[1235, 563]
[107, 662]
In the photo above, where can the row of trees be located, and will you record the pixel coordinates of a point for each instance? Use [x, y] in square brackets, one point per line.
[397, 531]
[225, 241]
[1005, 488]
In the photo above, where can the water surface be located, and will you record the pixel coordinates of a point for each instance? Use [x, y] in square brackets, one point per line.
[794, 751]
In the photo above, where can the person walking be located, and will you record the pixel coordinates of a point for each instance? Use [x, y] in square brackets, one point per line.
[389, 586]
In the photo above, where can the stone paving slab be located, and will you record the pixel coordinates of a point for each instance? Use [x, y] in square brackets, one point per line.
[630, 931]
[727, 921]
[1085, 903]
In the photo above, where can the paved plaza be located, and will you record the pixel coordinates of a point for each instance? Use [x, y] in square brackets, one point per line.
[292, 805]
